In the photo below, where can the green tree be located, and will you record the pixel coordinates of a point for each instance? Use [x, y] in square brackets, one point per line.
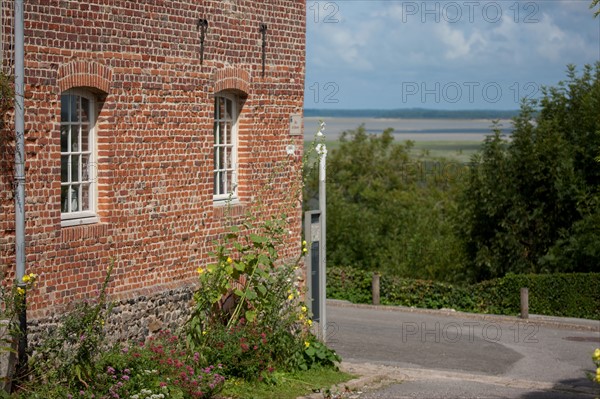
[389, 211]
[528, 200]
[595, 3]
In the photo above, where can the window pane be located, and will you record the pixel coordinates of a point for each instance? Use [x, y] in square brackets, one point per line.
[85, 197]
[64, 107]
[223, 132]
[64, 169]
[85, 138]
[73, 109]
[85, 168]
[64, 198]
[228, 160]
[229, 106]
[222, 158]
[223, 184]
[75, 138]
[85, 110]
[229, 181]
[75, 159]
[64, 138]
[74, 198]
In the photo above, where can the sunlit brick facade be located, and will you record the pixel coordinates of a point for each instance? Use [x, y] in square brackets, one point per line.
[120, 137]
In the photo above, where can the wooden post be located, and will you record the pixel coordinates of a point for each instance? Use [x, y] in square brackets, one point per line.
[524, 303]
[375, 288]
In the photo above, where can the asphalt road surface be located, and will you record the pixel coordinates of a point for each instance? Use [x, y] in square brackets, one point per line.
[445, 355]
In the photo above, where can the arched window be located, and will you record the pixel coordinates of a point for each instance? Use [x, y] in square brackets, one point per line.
[225, 147]
[77, 158]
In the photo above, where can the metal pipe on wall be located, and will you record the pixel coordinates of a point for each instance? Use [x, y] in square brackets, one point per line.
[20, 173]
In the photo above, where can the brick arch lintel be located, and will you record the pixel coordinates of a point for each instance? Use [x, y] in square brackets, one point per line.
[232, 78]
[84, 73]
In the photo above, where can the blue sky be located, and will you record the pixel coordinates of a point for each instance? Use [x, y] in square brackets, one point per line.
[442, 54]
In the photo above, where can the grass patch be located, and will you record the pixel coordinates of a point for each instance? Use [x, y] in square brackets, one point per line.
[457, 150]
[286, 386]
[460, 151]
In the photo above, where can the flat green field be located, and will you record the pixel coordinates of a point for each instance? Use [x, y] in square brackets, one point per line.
[457, 150]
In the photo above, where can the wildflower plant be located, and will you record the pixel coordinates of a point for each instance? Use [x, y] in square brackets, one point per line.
[596, 359]
[159, 368]
[247, 310]
[12, 304]
[68, 353]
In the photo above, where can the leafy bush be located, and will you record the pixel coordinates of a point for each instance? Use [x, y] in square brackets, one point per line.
[161, 368]
[68, 353]
[560, 294]
[349, 284]
[75, 360]
[369, 178]
[531, 202]
[161, 365]
[247, 314]
[423, 293]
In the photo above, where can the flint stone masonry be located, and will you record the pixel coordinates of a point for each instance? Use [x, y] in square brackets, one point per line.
[156, 217]
[132, 319]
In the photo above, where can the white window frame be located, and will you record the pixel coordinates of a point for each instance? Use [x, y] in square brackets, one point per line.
[68, 216]
[225, 188]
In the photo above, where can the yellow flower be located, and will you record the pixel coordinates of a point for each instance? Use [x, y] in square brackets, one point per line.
[200, 270]
[309, 322]
[32, 275]
[20, 291]
[301, 317]
[290, 297]
[304, 309]
[596, 355]
[203, 332]
[229, 260]
[305, 250]
[26, 278]
[304, 243]
[306, 344]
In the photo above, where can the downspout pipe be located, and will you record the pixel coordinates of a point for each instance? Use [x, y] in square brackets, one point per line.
[20, 177]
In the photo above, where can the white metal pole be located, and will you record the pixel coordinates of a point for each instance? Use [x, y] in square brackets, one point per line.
[322, 151]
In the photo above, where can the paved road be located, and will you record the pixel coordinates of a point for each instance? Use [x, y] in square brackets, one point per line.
[440, 355]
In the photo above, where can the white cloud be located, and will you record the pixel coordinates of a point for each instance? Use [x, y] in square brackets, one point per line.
[457, 45]
[377, 43]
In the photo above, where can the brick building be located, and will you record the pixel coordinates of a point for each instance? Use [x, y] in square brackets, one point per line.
[141, 119]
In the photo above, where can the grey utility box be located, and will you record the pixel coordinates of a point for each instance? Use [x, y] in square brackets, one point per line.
[314, 264]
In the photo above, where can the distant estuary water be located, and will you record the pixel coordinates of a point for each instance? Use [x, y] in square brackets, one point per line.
[409, 129]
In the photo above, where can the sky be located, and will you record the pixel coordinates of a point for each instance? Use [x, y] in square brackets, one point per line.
[365, 54]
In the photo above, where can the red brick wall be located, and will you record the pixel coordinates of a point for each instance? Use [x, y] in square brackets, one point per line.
[154, 135]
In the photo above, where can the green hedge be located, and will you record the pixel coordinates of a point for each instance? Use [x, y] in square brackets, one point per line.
[564, 294]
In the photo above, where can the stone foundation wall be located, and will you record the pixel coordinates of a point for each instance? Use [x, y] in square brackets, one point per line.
[132, 319]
